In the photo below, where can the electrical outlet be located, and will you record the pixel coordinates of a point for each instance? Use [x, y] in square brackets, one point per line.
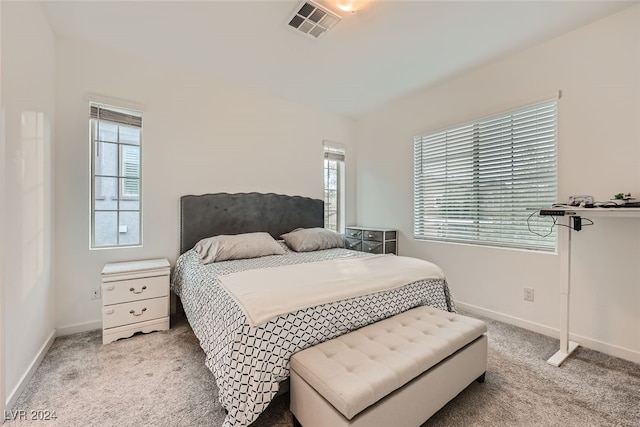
[528, 294]
[96, 294]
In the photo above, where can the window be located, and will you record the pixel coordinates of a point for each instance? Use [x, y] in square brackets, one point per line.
[116, 199]
[474, 182]
[334, 187]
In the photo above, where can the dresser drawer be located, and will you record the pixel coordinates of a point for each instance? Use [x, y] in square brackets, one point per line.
[390, 247]
[372, 247]
[134, 312]
[353, 244]
[390, 235]
[374, 235]
[134, 289]
[353, 233]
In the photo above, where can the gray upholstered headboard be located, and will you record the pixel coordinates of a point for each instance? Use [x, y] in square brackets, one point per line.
[209, 215]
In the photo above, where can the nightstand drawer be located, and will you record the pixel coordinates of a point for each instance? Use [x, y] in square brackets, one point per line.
[134, 289]
[134, 312]
[353, 233]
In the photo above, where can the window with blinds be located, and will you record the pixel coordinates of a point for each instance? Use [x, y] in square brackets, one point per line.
[116, 199]
[474, 182]
[334, 187]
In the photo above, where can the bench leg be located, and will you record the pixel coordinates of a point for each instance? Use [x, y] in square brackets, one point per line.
[480, 379]
[296, 423]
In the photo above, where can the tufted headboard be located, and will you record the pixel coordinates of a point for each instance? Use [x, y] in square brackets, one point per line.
[209, 215]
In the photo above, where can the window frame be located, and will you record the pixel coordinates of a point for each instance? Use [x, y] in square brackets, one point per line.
[475, 181]
[119, 116]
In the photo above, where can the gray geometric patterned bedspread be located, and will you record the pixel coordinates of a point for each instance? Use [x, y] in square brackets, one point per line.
[248, 362]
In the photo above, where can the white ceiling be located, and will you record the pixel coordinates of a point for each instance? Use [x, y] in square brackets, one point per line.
[382, 52]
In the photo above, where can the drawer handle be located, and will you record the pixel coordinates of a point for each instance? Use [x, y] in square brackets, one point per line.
[140, 314]
[370, 236]
[109, 288]
[141, 290]
[353, 234]
[109, 311]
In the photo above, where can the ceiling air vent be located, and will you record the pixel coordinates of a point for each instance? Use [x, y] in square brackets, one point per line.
[313, 19]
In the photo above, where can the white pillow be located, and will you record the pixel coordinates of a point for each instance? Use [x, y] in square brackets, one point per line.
[238, 246]
[313, 239]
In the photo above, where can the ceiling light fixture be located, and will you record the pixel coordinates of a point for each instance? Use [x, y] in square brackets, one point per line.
[350, 5]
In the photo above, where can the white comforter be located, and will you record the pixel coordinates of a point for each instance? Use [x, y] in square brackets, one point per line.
[266, 293]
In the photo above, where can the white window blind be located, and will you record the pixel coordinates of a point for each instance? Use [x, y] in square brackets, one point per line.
[474, 182]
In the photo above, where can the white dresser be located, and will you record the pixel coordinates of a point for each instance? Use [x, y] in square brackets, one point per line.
[135, 298]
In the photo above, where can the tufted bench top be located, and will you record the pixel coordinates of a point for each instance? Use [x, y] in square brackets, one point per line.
[358, 369]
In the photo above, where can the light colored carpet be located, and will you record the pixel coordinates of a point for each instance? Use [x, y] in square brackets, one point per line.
[159, 379]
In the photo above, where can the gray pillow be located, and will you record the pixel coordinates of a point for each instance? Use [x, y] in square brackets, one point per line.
[313, 239]
[239, 246]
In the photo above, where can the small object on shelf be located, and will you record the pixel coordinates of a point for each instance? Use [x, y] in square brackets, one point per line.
[371, 240]
[622, 196]
[581, 200]
[135, 298]
[553, 212]
[623, 199]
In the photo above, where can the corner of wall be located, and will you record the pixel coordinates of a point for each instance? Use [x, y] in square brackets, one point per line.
[33, 366]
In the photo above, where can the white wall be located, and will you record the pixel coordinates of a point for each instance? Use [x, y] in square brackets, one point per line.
[598, 70]
[28, 66]
[3, 204]
[199, 136]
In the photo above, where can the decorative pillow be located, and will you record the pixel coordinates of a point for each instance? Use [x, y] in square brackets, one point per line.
[313, 239]
[239, 246]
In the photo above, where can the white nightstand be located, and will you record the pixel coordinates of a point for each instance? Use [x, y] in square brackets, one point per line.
[135, 298]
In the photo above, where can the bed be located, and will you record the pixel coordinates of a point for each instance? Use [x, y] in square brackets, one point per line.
[249, 361]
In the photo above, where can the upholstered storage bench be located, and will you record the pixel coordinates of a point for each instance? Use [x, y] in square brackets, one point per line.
[396, 372]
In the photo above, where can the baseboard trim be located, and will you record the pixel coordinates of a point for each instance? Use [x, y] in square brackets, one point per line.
[17, 391]
[65, 330]
[603, 347]
[606, 348]
[516, 321]
[79, 327]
